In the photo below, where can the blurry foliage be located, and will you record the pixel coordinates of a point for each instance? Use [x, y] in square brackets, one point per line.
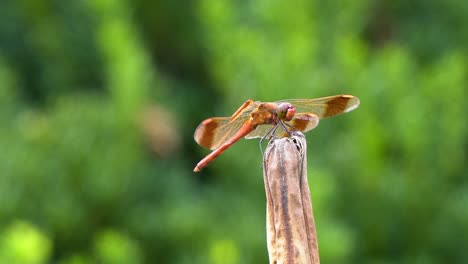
[22, 243]
[112, 247]
[99, 100]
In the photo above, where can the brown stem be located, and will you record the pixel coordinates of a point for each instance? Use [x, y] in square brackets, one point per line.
[291, 234]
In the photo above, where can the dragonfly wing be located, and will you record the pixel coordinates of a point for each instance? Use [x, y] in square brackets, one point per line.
[213, 132]
[260, 131]
[302, 121]
[325, 106]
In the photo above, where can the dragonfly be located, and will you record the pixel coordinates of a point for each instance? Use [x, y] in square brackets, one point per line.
[255, 119]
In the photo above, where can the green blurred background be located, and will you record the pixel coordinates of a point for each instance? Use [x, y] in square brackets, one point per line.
[99, 100]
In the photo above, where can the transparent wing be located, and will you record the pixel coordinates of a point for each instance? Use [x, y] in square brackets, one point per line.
[303, 122]
[261, 131]
[213, 132]
[325, 106]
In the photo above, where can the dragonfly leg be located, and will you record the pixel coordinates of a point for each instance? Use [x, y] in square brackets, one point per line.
[270, 133]
[285, 128]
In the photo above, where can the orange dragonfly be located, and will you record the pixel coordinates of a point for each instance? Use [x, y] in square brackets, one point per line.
[256, 119]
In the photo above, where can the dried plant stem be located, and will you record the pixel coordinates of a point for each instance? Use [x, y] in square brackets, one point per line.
[291, 234]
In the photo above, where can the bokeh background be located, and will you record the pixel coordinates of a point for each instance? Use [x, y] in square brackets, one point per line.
[99, 100]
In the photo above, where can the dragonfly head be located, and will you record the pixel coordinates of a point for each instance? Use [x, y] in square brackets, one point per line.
[286, 111]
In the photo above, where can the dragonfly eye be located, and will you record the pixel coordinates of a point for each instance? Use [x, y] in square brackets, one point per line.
[286, 111]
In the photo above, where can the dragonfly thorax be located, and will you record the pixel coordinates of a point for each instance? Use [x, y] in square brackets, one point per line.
[286, 111]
